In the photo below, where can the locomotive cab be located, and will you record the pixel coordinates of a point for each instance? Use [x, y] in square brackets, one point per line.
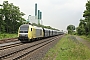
[24, 32]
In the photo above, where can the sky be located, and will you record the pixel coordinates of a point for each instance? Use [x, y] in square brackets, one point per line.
[55, 13]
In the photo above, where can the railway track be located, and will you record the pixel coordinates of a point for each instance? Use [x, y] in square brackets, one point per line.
[18, 51]
[10, 46]
[8, 40]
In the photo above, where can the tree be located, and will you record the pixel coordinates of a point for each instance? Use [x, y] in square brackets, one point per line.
[70, 29]
[84, 25]
[87, 16]
[12, 17]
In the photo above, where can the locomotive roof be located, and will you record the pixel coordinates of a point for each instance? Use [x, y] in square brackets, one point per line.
[25, 25]
[38, 27]
[47, 29]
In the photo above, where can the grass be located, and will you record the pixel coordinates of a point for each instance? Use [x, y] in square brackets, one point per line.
[85, 37]
[6, 35]
[68, 48]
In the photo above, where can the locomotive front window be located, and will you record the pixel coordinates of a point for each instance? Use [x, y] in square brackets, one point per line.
[25, 27]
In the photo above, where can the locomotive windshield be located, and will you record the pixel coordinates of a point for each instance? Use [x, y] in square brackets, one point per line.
[24, 27]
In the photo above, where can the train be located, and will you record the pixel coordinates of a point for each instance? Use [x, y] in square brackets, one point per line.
[28, 32]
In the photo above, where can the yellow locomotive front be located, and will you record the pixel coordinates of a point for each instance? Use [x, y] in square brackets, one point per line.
[25, 33]
[28, 32]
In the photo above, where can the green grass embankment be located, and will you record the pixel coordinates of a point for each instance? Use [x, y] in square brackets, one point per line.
[68, 48]
[85, 37]
[6, 35]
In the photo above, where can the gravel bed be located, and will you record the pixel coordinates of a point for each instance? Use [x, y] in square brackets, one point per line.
[40, 53]
[8, 40]
[36, 55]
[17, 48]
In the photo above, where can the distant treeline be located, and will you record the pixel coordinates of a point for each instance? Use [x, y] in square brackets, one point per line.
[11, 18]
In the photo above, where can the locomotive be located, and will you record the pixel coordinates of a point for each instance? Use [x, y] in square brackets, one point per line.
[27, 32]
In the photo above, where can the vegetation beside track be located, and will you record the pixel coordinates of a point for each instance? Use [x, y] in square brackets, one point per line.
[85, 37]
[68, 48]
[6, 35]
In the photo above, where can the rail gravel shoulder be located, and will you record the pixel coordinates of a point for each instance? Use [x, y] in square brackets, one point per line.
[8, 40]
[23, 51]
